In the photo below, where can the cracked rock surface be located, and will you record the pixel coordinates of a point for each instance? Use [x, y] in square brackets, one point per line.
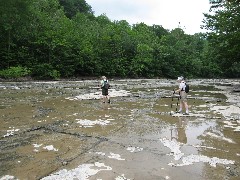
[62, 130]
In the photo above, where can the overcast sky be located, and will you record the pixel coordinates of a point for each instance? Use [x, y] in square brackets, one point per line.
[167, 13]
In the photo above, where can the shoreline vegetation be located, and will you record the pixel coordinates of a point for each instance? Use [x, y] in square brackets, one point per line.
[63, 39]
[24, 79]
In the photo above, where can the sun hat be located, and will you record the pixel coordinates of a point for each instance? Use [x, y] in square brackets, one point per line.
[180, 78]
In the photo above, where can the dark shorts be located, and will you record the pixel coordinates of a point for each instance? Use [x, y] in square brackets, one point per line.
[104, 92]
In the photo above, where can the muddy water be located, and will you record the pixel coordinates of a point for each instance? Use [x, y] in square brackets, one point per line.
[62, 130]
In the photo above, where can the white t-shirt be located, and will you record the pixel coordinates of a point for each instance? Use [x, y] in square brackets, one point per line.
[182, 85]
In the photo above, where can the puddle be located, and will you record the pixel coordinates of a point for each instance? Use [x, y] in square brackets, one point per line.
[62, 130]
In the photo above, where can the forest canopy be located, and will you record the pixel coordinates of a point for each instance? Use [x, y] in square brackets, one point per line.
[51, 39]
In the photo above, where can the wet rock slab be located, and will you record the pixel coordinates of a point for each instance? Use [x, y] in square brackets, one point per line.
[62, 130]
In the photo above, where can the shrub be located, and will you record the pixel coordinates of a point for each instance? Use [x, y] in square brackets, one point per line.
[14, 72]
[45, 71]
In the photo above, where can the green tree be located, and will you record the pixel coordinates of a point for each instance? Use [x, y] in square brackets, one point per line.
[85, 34]
[50, 35]
[125, 48]
[14, 15]
[223, 26]
[72, 7]
[145, 39]
[54, 38]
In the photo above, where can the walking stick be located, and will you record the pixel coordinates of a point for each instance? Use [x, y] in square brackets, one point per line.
[172, 97]
[172, 102]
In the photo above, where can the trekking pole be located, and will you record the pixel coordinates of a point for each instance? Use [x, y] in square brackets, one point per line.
[177, 104]
[172, 101]
[172, 97]
[178, 101]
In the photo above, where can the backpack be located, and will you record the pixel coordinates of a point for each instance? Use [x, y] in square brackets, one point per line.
[186, 88]
[106, 84]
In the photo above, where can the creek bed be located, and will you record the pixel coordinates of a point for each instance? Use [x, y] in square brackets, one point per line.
[62, 130]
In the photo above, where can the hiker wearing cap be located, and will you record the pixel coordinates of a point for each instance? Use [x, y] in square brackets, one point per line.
[183, 95]
[105, 86]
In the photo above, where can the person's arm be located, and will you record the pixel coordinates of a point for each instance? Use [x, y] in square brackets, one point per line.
[177, 90]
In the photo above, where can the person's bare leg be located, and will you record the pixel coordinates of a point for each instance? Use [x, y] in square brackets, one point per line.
[108, 98]
[103, 99]
[186, 107]
[181, 106]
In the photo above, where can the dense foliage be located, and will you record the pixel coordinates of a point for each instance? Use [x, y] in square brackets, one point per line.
[50, 39]
[224, 36]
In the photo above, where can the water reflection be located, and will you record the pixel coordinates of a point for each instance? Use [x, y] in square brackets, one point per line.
[181, 130]
[179, 133]
[106, 106]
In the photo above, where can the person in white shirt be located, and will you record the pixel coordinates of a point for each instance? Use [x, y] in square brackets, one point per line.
[183, 95]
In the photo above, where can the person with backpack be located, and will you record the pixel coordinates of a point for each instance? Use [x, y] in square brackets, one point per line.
[182, 90]
[105, 86]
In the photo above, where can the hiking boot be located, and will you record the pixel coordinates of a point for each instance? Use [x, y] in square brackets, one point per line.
[109, 101]
[185, 113]
[178, 111]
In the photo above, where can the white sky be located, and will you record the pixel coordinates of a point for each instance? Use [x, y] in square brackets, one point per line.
[167, 13]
